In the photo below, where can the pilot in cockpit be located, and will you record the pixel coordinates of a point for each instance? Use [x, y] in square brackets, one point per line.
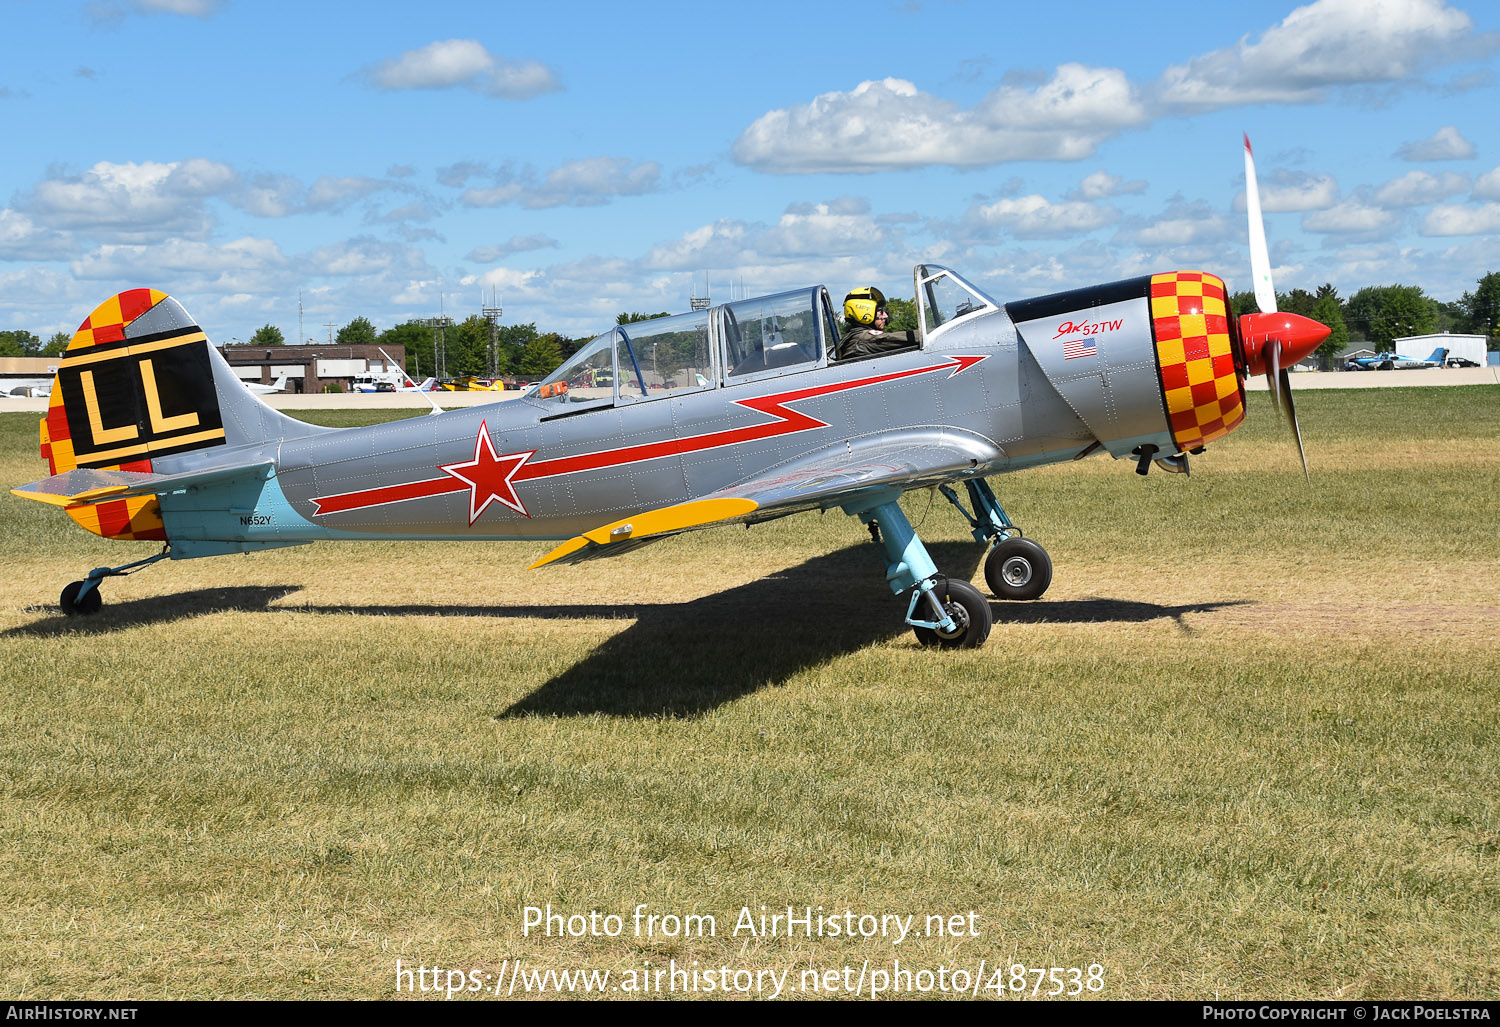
[865, 318]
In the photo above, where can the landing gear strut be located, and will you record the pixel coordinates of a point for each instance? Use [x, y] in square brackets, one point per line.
[1016, 567]
[941, 611]
[82, 597]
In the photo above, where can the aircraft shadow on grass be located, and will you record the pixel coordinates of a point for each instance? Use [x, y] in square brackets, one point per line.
[162, 609]
[676, 659]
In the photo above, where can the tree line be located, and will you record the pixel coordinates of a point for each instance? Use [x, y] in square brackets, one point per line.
[1376, 314]
[1380, 314]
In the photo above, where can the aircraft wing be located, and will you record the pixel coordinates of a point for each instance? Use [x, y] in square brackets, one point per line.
[833, 476]
[82, 486]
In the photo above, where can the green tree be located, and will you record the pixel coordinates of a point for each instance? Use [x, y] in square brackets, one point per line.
[903, 314]
[1482, 308]
[357, 332]
[1298, 301]
[1327, 309]
[1388, 312]
[542, 357]
[628, 319]
[416, 339]
[56, 344]
[469, 346]
[512, 342]
[19, 343]
[267, 335]
[1451, 317]
[1243, 303]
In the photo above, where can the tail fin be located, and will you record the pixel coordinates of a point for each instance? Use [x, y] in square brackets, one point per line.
[139, 385]
[1439, 355]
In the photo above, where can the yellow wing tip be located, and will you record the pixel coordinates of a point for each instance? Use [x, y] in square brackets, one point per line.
[571, 546]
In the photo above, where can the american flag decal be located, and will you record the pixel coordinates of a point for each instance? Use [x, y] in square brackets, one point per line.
[1080, 341]
[1079, 347]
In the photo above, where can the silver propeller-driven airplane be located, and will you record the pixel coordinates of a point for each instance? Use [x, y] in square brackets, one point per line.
[739, 413]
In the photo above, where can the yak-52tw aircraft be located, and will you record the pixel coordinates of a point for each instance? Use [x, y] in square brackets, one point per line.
[739, 413]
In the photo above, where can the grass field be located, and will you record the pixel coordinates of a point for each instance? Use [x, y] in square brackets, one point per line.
[1246, 746]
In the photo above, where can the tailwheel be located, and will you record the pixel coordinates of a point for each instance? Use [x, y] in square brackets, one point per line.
[970, 613]
[1018, 568]
[72, 605]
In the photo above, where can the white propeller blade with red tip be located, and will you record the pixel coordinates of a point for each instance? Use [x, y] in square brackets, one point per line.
[1273, 341]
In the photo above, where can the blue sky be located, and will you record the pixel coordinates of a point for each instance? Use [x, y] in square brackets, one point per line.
[586, 158]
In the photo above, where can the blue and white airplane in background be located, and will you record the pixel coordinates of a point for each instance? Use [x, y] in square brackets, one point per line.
[1395, 362]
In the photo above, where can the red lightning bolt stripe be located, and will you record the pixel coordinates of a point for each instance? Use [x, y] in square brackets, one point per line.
[786, 422]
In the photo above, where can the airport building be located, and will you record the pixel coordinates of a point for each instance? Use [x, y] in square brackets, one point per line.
[312, 369]
[1469, 348]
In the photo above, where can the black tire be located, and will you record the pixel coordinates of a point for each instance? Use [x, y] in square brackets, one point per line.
[72, 607]
[1018, 569]
[969, 610]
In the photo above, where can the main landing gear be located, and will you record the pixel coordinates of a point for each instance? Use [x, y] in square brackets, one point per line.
[82, 597]
[942, 611]
[1016, 568]
[945, 611]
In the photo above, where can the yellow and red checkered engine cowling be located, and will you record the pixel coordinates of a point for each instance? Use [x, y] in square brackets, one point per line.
[1201, 385]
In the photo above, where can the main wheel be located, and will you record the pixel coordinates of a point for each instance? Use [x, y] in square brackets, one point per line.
[968, 609]
[90, 604]
[1018, 568]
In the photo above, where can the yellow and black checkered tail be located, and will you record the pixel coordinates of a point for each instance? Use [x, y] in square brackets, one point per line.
[135, 384]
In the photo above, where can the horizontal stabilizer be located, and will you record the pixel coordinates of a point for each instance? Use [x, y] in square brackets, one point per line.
[81, 486]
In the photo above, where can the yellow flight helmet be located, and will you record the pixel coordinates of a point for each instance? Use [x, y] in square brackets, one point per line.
[861, 304]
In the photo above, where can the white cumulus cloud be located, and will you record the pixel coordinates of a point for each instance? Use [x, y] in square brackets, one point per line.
[580, 183]
[1352, 217]
[1487, 187]
[1447, 143]
[130, 201]
[891, 124]
[1035, 217]
[1462, 219]
[464, 63]
[1320, 45]
[1416, 188]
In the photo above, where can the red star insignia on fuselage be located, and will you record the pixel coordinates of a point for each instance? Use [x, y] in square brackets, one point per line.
[488, 476]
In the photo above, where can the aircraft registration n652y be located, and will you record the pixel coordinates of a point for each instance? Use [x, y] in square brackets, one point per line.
[739, 413]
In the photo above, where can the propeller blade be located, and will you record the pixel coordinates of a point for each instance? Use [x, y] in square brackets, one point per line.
[1260, 257]
[1271, 341]
[1291, 416]
[1272, 355]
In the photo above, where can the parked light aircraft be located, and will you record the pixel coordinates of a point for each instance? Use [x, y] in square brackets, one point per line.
[38, 388]
[279, 385]
[396, 383]
[738, 413]
[1396, 362]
